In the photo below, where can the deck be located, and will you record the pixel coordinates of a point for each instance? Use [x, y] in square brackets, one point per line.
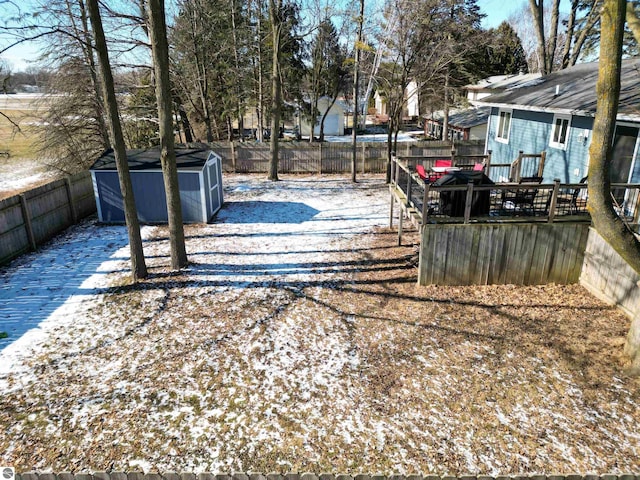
[424, 203]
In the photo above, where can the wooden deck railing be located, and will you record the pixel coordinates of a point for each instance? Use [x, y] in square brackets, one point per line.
[501, 202]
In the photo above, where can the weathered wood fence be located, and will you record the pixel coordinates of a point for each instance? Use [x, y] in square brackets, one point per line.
[489, 254]
[609, 277]
[33, 217]
[329, 157]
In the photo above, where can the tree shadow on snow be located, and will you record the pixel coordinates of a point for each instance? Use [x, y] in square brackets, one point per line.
[260, 211]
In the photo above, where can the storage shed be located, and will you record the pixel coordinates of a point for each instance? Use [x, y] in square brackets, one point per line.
[199, 178]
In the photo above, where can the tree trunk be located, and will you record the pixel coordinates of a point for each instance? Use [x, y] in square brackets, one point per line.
[592, 19]
[325, 115]
[633, 21]
[314, 114]
[184, 119]
[356, 81]
[445, 118]
[160, 55]
[260, 107]
[571, 23]
[605, 219]
[238, 79]
[138, 266]
[87, 50]
[276, 88]
[553, 36]
[537, 12]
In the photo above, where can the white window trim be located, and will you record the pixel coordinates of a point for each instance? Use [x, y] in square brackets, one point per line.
[498, 137]
[558, 145]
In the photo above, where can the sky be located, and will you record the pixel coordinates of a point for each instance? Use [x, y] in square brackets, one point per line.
[497, 11]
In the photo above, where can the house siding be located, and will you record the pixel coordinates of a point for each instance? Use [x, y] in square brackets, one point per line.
[530, 132]
[150, 198]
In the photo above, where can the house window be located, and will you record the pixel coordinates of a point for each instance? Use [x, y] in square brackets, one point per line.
[504, 126]
[560, 132]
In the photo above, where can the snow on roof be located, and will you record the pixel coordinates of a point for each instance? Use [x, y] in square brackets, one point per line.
[502, 82]
[464, 117]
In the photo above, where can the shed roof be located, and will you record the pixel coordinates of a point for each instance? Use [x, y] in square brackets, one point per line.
[187, 159]
[576, 92]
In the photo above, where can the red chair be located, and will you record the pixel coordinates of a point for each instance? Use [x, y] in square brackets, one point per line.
[478, 167]
[422, 172]
[443, 163]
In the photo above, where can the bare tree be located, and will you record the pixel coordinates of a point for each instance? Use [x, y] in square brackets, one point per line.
[160, 55]
[605, 219]
[138, 266]
[275, 15]
[356, 82]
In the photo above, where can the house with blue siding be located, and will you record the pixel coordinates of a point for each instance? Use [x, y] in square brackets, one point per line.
[555, 114]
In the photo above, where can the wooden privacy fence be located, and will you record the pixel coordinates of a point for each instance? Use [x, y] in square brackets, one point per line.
[609, 277]
[330, 157]
[489, 254]
[33, 217]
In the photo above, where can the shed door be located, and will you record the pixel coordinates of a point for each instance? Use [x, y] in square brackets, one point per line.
[214, 194]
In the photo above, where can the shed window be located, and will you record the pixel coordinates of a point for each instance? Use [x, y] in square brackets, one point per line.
[560, 132]
[504, 126]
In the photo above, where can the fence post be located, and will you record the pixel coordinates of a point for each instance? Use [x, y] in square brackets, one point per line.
[487, 166]
[408, 183]
[543, 157]
[233, 156]
[27, 222]
[391, 210]
[72, 207]
[453, 156]
[425, 203]
[554, 199]
[467, 203]
[364, 157]
[397, 174]
[320, 155]
[514, 174]
[636, 213]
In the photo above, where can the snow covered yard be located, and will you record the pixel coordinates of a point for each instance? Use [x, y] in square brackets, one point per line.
[297, 340]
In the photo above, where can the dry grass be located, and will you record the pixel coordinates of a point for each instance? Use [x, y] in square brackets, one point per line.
[22, 142]
[334, 360]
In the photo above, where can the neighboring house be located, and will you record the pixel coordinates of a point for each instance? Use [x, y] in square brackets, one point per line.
[555, 114]
[471, 123]
[411, 108]
[333, 124]
[464, 124]
[380, 102]
[496, 84]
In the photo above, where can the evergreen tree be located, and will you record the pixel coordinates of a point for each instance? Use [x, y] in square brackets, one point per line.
[505, 53]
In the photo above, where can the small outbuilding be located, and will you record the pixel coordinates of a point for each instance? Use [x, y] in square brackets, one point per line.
[333, 124]
[199, 178]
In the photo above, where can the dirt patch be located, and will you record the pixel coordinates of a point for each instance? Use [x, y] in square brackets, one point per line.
[302, 343]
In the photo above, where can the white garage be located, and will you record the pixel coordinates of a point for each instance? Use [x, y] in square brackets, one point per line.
[333, 124]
